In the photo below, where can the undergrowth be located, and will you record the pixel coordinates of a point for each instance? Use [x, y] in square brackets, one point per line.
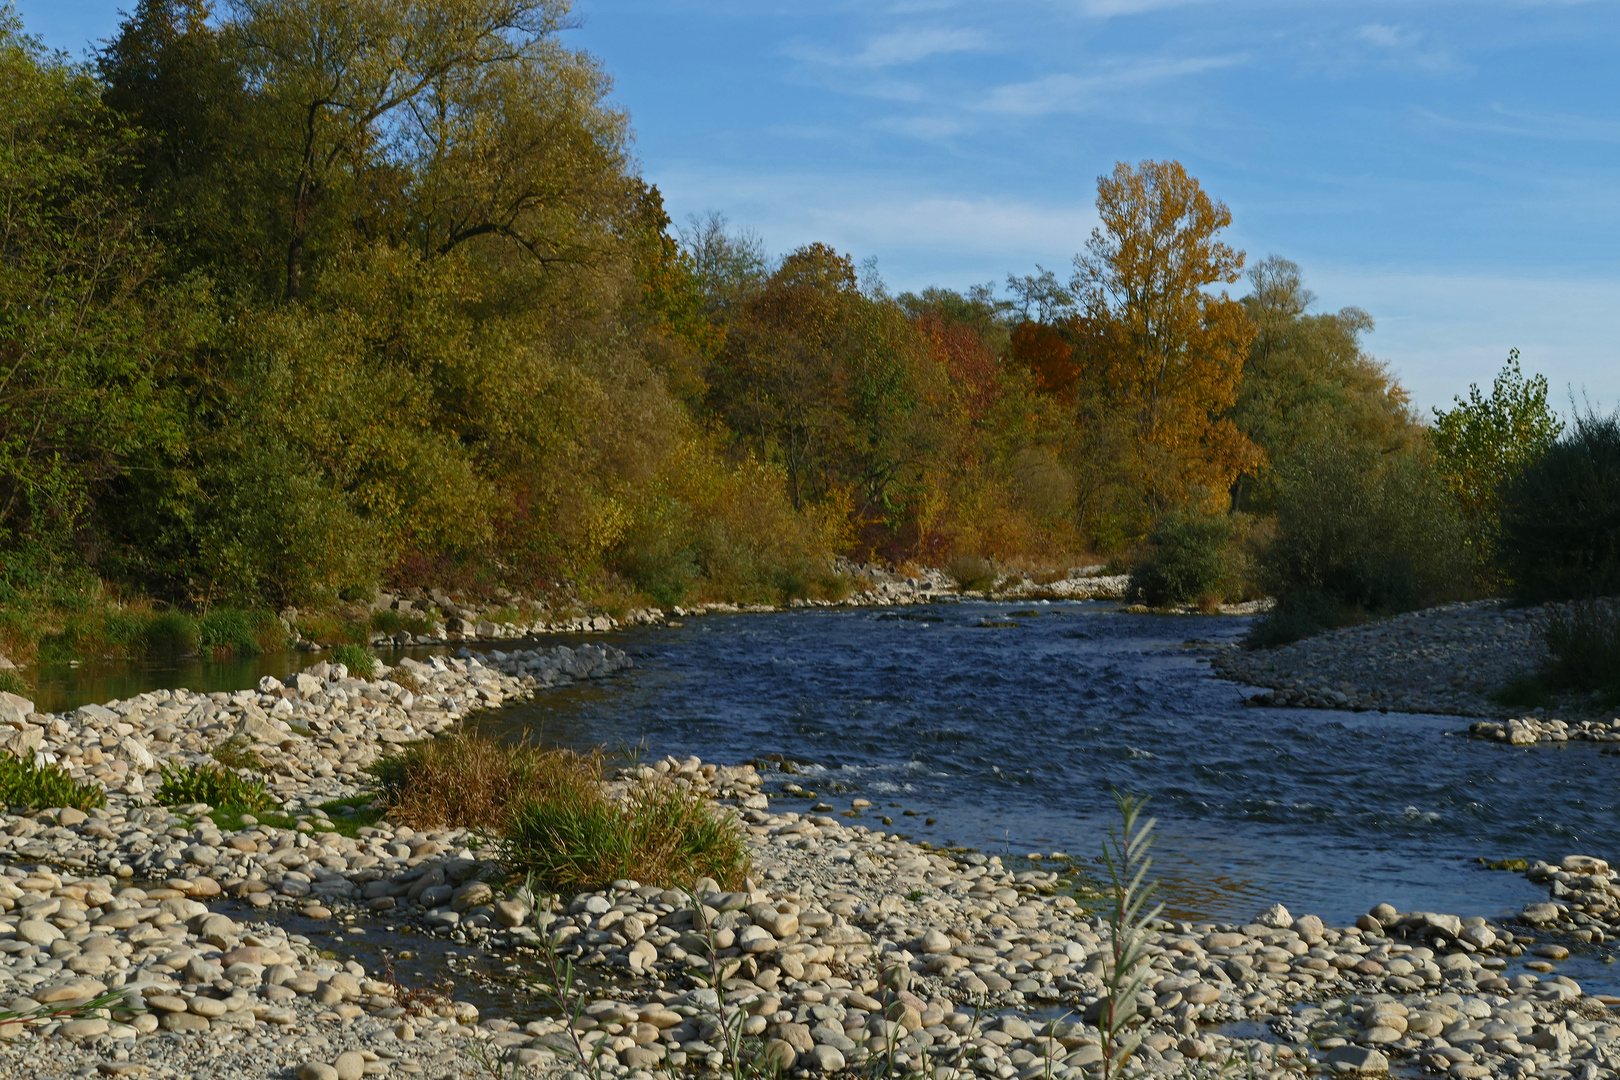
[213, 784]
[360, 661]
[25, 783]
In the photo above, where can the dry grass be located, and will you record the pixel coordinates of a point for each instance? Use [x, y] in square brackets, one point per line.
[557, 819]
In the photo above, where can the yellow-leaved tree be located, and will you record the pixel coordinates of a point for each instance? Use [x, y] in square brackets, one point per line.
[1165, 353]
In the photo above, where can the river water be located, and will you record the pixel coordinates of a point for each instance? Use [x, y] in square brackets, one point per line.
[1015, 737]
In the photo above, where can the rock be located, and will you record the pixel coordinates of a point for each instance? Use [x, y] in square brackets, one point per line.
[71, 816]
[824, 1058]
[470, 895]
[1539, 914]
[38, 932]
[779, 1055]
[1551, 952]
[183, 1021]
[134, 753]
[934, 942]
[350, 1065]
[316, 1070]
[14, 709]
[1308, 926]
[258, 728]
[1275, 916]
[83, 1029]
[511, 913]
[1357, 1059]
[305, 685]
[1017, 1029]
[1584, 864]
[23, 741]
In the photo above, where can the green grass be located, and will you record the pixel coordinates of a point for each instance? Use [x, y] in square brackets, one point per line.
[360, 661]
[13, 683]
[212, 784]
[391, 622]
[578, 838]
[22, 783]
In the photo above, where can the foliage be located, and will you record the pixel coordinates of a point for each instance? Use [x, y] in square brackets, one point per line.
[469, 780]
[1127, 969]
[12, 682]
[579, 837]
[1360, 533]
[1186, 561]
[1584, 642]
[1168, 354]
[37, 787]
[219, 787]
[1560, 525]
[361, 661]
[973, 574]
[1307, 383]
[391, 622]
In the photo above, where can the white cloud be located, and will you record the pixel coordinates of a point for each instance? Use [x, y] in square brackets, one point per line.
[910, 46]
[1068, 93]
[1535, 125]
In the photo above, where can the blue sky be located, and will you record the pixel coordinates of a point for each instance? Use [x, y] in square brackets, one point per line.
[1450, 167]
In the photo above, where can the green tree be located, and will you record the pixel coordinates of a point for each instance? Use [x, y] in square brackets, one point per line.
[1484, 442]
[1308, 383]
[76, 387]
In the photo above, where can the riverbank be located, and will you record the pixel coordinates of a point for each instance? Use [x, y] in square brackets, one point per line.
[1448, 660]
[849, 939]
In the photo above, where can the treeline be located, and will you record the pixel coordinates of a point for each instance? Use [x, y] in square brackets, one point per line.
[296, 299]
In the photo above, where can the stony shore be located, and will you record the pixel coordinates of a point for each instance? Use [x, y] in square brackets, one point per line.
[1446, 660]
[851, 949]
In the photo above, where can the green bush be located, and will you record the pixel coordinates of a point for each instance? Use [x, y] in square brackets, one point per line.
[171, 633]
[13, 683]
[1584, 640]
[1560, 527]
[578, 837]
[971, 573]
[360, 661]
[23, 783]
[215, 785]
[1360, 533]
[1186, 561]
[391, 622]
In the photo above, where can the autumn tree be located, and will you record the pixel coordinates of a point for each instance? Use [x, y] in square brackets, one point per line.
[1168, 352]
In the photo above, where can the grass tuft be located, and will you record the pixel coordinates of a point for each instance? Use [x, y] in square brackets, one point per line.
[13, 683]
[556, 819]
[972, 574]
[360, 661]
[24, 783]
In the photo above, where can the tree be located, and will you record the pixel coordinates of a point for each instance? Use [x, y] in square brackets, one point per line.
[76, 389]
[1168, 353]
[1307, 382]
[1484, 442]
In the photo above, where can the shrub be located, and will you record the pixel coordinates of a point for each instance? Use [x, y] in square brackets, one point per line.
[971, 573]
[25, 783]
[1560, 527]
[215, 785]
[390, 621]
[1360, 533]
[469, 780]
[1186, 561]
[12, 682]
[581, 838]
[360, 661]
[557, 819]
[243, 632]
[170, 633]
[1584, 640]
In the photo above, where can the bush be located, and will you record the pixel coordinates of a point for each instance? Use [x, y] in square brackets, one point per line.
[170, 633]
[392, 622]
[972, 574]
[1584, 640]
[215, 785]
[581, 838]
[243, 632]
[1560, 528]
[360, 661]
[1186, 561]
[24, 783]
[1361, 534]
[555, 816]
[13, 683]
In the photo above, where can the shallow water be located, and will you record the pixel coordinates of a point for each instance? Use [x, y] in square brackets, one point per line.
[1015, 738]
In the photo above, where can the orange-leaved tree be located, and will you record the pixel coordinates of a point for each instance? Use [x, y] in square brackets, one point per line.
[1166, 353]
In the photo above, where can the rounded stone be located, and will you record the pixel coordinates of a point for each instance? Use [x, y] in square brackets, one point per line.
[350, 1065]
[316, 1070]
